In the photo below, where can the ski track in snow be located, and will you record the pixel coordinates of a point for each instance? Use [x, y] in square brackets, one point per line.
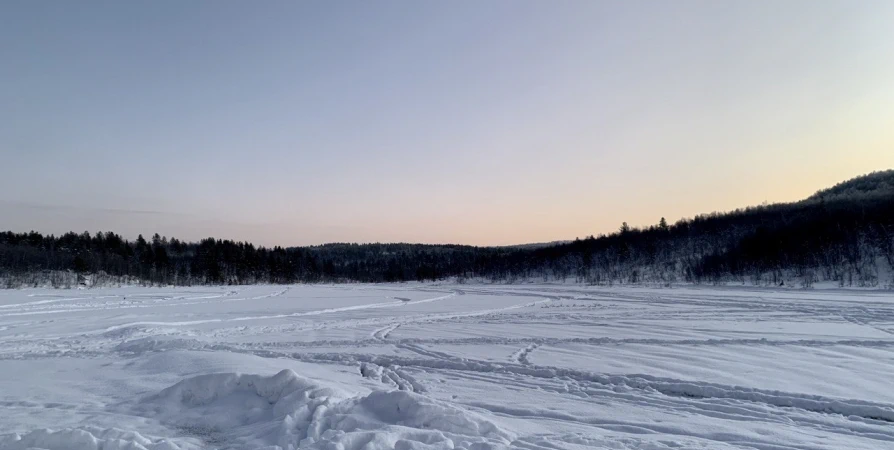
[425, 366]
[381, 334]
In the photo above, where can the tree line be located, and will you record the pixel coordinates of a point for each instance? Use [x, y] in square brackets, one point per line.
[843, 234]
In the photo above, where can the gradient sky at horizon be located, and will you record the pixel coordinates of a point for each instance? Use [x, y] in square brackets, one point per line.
[476, 122]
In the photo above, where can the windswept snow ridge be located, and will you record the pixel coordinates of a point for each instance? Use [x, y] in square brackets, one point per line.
[90, 438]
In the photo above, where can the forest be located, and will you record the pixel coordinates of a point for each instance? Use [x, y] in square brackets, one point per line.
[843, 234]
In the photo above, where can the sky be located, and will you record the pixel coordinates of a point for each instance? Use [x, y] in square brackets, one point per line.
[476, 122]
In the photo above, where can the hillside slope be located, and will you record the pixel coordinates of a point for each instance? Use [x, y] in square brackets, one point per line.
[876, 183]
[843, 234]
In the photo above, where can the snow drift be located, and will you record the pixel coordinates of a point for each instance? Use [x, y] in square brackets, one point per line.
[281, 412]
[286, 411]
[89, 438]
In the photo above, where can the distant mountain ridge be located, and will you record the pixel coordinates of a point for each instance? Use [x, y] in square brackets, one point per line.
[843, 234]
[535, 245]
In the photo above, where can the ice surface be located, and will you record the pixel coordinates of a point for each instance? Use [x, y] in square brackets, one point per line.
[439, 366]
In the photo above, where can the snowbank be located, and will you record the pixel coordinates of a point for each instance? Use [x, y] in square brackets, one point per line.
[281, 412]
[287, 411]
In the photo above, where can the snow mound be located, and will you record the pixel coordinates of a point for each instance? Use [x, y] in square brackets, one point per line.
[89, 438]
[286, 411]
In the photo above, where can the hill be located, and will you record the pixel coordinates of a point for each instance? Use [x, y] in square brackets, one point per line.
[843, 234]
[876, 183]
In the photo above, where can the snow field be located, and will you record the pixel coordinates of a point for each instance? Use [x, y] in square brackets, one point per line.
[437, 366]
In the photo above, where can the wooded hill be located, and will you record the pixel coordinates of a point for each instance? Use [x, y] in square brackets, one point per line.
[844, 234]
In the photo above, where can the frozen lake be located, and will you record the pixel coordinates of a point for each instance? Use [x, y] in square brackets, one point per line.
[438, 366]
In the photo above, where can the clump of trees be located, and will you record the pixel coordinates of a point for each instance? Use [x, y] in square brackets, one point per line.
[31, 258]
[844, 234]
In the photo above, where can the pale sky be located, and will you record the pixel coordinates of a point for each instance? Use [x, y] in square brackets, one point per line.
[476, 122]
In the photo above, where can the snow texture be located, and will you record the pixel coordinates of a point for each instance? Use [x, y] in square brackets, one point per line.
[437, 366]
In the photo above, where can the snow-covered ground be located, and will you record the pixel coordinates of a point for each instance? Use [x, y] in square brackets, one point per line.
[423, 366]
